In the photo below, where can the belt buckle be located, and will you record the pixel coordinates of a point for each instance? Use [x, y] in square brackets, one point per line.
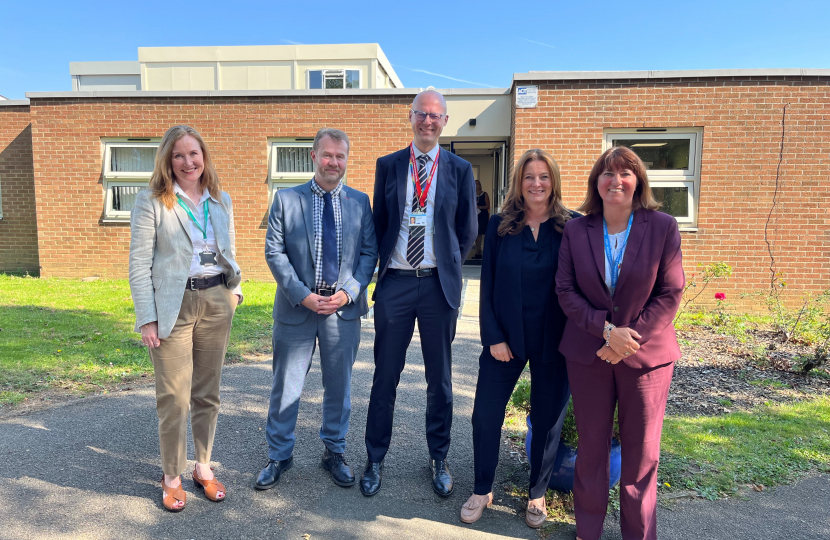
[192, 283]
[426, 272]
[325, 291]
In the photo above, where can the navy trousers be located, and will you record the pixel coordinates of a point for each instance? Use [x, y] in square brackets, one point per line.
[549, 394]
[399, 302]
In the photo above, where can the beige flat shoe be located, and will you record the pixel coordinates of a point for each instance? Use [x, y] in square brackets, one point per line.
[535, 517]
[474, 506]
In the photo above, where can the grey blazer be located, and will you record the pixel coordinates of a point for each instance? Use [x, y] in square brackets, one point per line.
[161, 250]
[289, 251]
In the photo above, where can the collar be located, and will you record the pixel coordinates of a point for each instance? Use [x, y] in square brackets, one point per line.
[432, 153]
[317, 190]
[205, 194]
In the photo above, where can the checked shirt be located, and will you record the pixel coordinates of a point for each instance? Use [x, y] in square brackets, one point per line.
[317, 199]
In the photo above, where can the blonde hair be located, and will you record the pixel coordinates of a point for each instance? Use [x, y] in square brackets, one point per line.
[617, 159]
[513, 210]
[161, 182]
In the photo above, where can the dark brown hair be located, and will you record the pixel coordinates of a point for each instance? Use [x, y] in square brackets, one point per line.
[616, 159]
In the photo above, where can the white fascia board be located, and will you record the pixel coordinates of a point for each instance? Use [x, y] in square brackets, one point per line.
[672, 74]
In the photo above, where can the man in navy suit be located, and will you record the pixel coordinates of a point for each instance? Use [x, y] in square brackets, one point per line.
[425, 221]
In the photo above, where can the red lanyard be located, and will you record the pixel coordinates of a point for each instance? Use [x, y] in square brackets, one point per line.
[416, 179]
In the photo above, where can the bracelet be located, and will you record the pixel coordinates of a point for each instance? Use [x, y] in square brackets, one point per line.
[606, 332]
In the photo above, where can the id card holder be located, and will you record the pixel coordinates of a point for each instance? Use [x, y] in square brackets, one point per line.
[418, 219]
[207, 258]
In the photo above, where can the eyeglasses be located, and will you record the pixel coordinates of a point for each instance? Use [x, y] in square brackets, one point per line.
[421, 116]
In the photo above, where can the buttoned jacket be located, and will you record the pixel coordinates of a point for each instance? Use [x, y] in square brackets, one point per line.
[648, 291]
[455, 218]
[500, 306]
[290, 253]
[161, 250]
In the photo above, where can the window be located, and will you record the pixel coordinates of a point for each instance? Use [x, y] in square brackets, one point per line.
[333, 78]
[672, 157]
[1, 203]
[291, 164]
[127, 169]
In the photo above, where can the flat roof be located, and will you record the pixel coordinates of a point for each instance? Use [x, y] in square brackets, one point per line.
[14, 102]
[669, 74]
[105, 68]
[266, 93]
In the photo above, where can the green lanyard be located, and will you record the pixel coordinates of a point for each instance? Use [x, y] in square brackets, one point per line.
[193, 218]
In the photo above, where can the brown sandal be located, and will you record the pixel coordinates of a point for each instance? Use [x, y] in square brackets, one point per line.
[211, 487]
[170, 499]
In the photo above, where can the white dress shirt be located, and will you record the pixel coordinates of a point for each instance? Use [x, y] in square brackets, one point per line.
[398, 259]
[199, 242]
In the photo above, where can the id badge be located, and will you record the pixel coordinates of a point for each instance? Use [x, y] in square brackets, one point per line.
[418, 219]
[207, 258]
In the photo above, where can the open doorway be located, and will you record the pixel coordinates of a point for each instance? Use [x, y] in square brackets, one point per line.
[488, 161]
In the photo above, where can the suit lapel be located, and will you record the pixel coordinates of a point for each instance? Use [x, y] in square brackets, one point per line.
[442, 186]
[308, 217]
[632, 248]
[184, 219]
[597, 242]
[346, 215]
[401, 177]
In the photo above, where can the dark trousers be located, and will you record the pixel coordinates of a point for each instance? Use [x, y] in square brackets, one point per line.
[640, 395]
[399, 301]
[549, 394]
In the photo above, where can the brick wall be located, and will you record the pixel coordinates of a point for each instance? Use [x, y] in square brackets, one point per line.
[18, 228]
[741, 120]
[67, 132]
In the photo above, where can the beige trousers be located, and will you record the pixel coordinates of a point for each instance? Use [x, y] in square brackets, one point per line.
[188, 369]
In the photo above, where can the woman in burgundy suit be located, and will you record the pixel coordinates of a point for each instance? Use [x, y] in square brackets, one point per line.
[619, 283]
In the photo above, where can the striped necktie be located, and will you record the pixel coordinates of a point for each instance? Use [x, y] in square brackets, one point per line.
[415, 246]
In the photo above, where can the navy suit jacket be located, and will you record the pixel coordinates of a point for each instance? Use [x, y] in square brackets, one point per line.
[500, 307]
[648, 292]
[455, 217]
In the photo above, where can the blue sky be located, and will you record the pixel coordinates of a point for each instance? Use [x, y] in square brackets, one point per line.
[443, 44]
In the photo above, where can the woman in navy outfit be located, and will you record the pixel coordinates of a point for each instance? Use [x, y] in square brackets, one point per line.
[521, 322]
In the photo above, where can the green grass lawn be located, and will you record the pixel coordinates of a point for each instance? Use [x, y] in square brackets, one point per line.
[713, 455]
[64, 333]
[77, 336]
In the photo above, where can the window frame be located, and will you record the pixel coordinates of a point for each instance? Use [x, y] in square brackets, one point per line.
[112, 178]
[282, 180]
[689, 178]
[333, 74]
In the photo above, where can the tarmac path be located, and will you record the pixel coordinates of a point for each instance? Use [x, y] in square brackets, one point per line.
[89, 469]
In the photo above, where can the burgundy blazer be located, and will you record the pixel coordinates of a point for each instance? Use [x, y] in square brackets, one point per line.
[648, 292]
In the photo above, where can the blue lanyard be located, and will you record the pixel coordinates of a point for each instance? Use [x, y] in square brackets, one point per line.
[193, 218]
[614, 262]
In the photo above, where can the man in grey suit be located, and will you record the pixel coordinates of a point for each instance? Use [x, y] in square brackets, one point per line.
[322, 251]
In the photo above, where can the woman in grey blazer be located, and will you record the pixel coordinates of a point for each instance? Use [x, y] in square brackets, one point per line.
[185, 286]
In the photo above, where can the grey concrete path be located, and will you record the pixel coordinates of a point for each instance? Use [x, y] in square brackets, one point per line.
[90, 470]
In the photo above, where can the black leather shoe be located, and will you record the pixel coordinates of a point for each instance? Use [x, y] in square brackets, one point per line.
[340, 471]
[370, 481]
[270, 475]
[441, 477]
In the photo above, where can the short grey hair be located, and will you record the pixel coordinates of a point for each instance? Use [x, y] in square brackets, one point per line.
[335, 134]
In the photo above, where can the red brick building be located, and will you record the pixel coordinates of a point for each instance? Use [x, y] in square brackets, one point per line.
[731, 154]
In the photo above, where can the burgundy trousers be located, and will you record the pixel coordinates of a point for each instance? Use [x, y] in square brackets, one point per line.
[641, 394]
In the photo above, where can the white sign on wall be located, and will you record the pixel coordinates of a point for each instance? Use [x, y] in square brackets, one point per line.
[527, 97]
